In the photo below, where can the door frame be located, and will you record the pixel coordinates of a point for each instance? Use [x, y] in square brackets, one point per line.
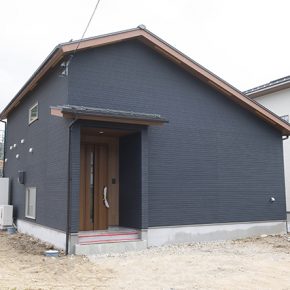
[113, 177]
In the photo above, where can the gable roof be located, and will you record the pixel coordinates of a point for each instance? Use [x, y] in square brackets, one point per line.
[162, 47]
[268, 88]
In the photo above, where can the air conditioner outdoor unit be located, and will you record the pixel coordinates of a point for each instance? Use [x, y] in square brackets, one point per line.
[6, 216]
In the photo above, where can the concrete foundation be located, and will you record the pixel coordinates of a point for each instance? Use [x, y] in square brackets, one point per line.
[52, 236]
[73, 240]
[288, 221]
[156, 236]
[196, 233]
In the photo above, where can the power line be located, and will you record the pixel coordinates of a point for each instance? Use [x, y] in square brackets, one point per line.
[87, 26]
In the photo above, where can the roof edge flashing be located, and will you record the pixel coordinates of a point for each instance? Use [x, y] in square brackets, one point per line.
[107, 115]
[228, 90]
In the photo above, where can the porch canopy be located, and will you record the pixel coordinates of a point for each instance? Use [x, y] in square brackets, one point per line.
[106, 115]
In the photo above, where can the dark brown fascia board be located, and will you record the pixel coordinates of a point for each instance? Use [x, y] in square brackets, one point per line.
[268, 90]
[168, 51]
[58, 53]
[70, 47]
[122, 120]
[54, 57]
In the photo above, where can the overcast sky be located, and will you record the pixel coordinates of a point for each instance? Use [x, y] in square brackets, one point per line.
[245, 42]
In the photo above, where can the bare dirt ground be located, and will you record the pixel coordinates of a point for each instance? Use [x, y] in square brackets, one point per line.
[256, 263]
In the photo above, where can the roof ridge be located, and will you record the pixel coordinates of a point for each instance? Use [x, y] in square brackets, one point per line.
[99, 36]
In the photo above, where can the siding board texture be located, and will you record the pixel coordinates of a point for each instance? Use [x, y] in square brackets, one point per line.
[130, 198]
[214, 162]
[46, 167]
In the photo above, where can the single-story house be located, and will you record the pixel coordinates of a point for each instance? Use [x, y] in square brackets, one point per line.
[123, 141]
[275, 96]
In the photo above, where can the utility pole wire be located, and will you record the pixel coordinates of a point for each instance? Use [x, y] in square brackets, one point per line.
[87, 26]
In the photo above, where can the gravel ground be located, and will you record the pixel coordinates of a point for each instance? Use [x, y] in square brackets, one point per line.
[256, 263]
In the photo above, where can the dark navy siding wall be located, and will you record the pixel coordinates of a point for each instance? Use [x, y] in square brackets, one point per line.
[46, 168]
[130, 196]
[214, 162]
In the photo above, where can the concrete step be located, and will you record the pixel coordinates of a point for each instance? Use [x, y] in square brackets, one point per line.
[101, 237]
[108, 248]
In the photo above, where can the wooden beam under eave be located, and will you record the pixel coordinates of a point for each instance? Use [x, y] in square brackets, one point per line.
[56, 112]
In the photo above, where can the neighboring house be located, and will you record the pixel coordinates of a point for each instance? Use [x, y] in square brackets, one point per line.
[275, 96]
[123, 132]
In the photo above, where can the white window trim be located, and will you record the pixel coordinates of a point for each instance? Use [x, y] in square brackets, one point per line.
[26, 204]
[30, 121]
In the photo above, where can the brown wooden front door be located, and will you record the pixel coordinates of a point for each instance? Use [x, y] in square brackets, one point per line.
[94, 186]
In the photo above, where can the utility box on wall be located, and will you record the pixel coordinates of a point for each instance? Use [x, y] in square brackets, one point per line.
[4, 191]
[21, 177]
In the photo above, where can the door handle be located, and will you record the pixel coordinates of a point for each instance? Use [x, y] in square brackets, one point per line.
[105, 192]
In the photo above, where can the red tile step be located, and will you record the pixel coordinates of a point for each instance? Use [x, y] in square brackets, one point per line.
[99, 237]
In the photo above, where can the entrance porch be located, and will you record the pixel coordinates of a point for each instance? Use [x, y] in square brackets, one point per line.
[111, 200]
[108, 177]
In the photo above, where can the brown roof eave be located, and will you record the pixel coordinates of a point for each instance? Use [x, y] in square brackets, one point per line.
[221, 85]
[100, 41]
[56, 55]
[181, 59]
[53, 58]
[165, 49]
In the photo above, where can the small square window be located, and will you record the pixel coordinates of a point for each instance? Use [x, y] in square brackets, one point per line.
[33, 113]
[285, 118]
[30, 202]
